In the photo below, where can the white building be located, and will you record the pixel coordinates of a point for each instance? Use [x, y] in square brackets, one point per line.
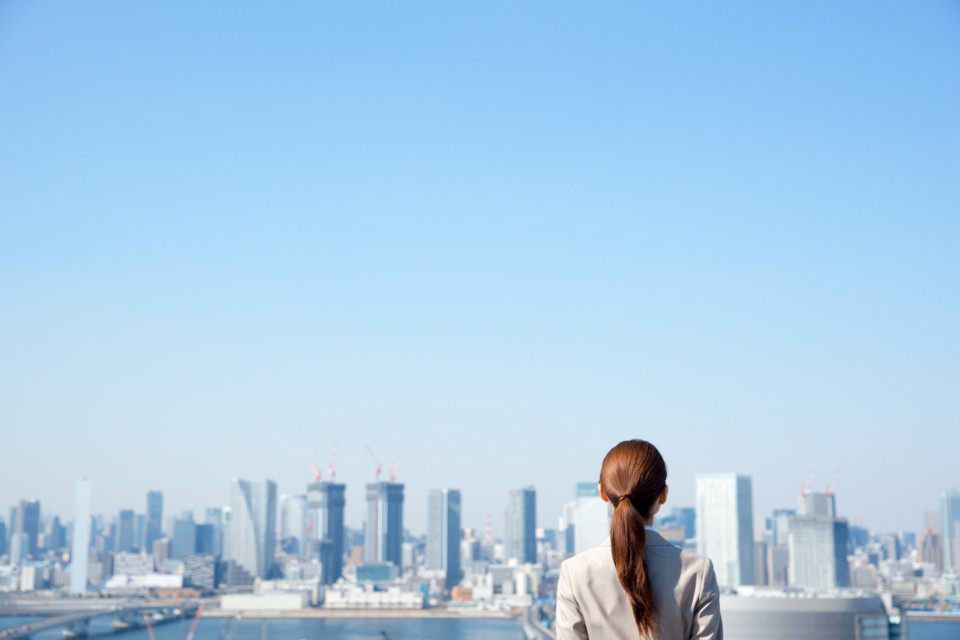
[132, 564]
[725, 526]
[81, 539]
[253, 511]
[592, 525]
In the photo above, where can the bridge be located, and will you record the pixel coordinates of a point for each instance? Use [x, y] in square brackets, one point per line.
[532, 627]
[128, 614]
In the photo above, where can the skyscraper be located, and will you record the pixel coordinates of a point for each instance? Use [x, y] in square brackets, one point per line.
[214, 517]
[81, 539]
[125, 531]
[950, 529]
[293, 523]
[818, 552]
[383, 537]
[443, 534]
[154, 519]
[28, 523]
[325, 532]
[520, 524]
[252, 529]
[593, 517]
[725, 526]
[184, 537]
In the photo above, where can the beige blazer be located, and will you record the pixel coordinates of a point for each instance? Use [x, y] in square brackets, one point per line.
[591, 603]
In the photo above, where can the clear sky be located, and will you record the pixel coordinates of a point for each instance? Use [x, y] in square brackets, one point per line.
[493, 239]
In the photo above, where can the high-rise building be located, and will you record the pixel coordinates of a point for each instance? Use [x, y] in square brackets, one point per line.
[125, 531]
[154, 518]
[214, 517]
[325, 531]
[81, 539]
[203, 535]
[520, 526]
[184, 537]
[226, 532]
[252, 529]
[818, 552]
[593, 517]
[443, 534]
[293, 523]
[781, 526]
[817, 505]
[3, 538]
[383, 537]
[950, 529]
[28, 523]
[725, 526]
[930, 549]
[140, 531]
[567, 528]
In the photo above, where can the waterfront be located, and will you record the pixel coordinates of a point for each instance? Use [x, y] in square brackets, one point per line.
[339, 628]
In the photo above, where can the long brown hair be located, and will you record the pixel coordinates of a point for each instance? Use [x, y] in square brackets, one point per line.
[633, 476]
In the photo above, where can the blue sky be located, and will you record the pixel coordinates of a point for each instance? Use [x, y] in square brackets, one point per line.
[492, 240]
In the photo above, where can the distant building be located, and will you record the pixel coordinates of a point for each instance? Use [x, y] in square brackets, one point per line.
[592, 524]
[81, 539]
[125, 531]
[184, 537]
[325, 531]
[950, 529]
[520, 524]
[213, 516]
[204, 539]
[443, 534]
[3, 538]
[567, 529]
[199, 571]
[817, 505]
[28, 523]
[293, 522]
[154, 529]
[802, 616]
[780, 526]
[252, 529]
[725, 526]
[384, 524]
[930, 549]
[132, 564]
[818, 552]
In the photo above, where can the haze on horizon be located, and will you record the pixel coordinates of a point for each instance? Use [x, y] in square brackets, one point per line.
[491, 240]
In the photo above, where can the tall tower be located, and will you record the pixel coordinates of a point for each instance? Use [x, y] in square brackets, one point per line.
[81, 539]
[950, 528]
[520, 524]
[252, 529]
[444, 531]
[125, 531]
[154, 519]
[325, 534]
[592, 525]
[28, 523]
[383, 538]
[293, 522]
[725, 526]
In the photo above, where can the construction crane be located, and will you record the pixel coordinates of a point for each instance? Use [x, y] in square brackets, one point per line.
[832, 483]
[377, 463]
[805, 487]
[332, 468]
[316, 473]
[393, 470]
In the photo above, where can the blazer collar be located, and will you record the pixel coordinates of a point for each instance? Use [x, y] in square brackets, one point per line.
[654, 539]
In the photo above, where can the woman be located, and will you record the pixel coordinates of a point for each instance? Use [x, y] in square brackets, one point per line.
[636, 584]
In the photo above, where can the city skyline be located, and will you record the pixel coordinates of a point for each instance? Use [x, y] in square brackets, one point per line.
[479, 236]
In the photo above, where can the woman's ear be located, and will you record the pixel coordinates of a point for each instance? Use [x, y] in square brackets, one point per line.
[663, 494]
[603, 496]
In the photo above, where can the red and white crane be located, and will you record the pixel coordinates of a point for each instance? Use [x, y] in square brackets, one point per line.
[377, 463]
[393, 470]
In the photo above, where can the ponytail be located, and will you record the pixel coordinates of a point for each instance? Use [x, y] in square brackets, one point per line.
[632, 477]
[628, 539]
